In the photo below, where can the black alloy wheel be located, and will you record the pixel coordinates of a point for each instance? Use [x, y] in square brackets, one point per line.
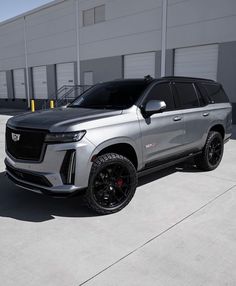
[212, 152]
[113, 182]
[215, 151]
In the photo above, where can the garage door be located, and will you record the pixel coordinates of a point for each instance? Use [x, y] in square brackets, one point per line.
[3, 85]
[198, 61]
[19, 83]
[40, 82]
[139, 65]
[65, 74]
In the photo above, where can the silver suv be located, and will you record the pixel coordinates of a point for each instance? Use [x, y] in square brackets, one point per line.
[101, 142]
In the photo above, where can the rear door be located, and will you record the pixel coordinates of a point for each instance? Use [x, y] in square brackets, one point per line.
[162, 133]
[196, 116]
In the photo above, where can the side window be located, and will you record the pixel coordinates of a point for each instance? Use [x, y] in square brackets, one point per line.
[186, 95]
[162, 92]
[215, 92]
[204, 94]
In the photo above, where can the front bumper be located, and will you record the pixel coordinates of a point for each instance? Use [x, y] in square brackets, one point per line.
[49, 179]
[42, 190]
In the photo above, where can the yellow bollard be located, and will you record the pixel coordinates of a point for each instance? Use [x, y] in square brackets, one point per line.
[51, 103]
[32, 105]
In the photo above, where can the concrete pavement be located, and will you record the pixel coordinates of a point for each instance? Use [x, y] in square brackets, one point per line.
[179, 229]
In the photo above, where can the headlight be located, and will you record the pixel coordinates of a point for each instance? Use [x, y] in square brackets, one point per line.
[64, 137]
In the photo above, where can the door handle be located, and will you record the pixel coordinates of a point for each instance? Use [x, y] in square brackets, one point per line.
[206, 114]
[177, 118]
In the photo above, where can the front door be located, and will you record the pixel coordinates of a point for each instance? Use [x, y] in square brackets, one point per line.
[162, 133]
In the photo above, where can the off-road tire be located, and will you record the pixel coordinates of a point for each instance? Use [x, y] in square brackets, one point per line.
[104, 161]
[203, 160]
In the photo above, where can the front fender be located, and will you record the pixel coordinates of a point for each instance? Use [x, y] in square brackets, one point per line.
[119, 140]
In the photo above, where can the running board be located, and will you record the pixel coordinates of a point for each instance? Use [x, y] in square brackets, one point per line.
[159, 167]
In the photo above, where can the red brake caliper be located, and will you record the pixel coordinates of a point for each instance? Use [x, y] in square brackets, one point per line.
[119, 182]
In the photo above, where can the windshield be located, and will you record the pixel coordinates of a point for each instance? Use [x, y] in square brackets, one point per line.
[115, 95]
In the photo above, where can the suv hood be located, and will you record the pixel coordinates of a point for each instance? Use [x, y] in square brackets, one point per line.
[59, 119]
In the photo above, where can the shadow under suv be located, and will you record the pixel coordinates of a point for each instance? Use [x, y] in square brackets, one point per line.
[99, 143]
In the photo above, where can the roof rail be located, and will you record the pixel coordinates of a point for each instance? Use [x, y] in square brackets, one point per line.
[186, 77]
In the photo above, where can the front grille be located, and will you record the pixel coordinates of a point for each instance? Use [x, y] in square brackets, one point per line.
[29, 145]
[29, 177]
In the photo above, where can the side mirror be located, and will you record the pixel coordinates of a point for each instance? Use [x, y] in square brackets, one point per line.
[154, 106]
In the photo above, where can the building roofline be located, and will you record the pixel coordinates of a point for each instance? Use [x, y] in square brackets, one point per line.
[30, 12]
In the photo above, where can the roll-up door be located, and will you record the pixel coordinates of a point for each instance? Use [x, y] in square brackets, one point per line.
[19, 83]
[200, 61]
[3, 85]
[40, 82]
[139, 65]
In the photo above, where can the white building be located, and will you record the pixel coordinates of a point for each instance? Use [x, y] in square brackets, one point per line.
[87, 41]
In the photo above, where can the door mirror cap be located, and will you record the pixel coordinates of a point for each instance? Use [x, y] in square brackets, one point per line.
[154, 106]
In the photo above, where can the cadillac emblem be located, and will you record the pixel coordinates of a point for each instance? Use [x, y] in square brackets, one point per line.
[15, 137]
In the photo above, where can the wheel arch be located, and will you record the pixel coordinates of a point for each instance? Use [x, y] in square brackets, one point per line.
[218, 128]
[122, 148]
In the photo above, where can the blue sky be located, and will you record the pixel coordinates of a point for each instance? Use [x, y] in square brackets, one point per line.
[11, 8]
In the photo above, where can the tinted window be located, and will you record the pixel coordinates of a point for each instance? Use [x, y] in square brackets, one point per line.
[187, 95]
[215, 92]
[162, 92]
[114, 95]
[204, 94]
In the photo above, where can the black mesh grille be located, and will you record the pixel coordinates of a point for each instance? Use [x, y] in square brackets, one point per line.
[31, 178]
[28, 147]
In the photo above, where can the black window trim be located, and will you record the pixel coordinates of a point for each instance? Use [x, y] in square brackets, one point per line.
[206, 99]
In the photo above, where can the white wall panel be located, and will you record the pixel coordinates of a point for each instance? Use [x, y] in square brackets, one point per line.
[67, 54]
[147, 41]
[51, 34]
[201, 22]
[12, 45]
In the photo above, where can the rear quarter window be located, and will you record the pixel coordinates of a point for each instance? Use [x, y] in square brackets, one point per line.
[215, 93]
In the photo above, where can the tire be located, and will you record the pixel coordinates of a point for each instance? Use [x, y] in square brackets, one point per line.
[112, 184]
[212, 152]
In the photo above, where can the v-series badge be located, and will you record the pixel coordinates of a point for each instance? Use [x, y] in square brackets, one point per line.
[150, 145]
